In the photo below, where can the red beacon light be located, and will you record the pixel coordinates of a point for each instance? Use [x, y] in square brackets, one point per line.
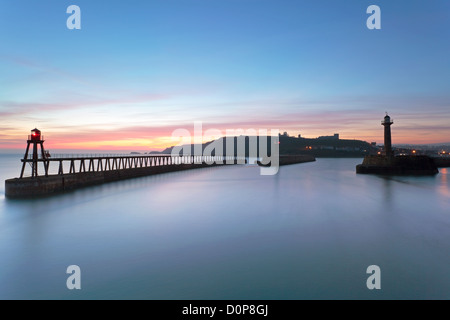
[35, 135]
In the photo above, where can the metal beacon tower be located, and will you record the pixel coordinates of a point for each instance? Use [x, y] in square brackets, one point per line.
[36, 139]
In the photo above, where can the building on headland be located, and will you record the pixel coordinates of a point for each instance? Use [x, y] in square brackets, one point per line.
[329, 146]
[387, 163]
[333, 137]
[299, 136]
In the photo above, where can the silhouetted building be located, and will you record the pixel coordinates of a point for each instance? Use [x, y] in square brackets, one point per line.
[333, 137]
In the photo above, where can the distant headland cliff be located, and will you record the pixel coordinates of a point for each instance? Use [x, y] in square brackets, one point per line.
[325, 146]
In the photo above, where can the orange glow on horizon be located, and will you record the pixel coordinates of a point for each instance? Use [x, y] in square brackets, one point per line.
[160, 138]
[161, 143]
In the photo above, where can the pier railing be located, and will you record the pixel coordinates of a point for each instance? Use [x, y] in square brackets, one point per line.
[92, 155]
[71, 164]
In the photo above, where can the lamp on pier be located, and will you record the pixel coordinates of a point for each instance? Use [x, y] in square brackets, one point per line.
[36, 139]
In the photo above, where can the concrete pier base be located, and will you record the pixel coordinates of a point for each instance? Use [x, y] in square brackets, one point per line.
[42, 186]
[399, 165]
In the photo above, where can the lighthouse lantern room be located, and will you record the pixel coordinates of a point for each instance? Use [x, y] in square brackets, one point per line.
[36, 139]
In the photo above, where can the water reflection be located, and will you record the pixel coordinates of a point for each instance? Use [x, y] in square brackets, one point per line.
[229, 233]
[387, 191]
[444, 187]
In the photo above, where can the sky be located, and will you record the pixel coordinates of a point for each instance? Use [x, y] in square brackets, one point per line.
[138, 70]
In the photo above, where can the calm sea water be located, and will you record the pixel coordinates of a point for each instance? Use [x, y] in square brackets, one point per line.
[309, 232]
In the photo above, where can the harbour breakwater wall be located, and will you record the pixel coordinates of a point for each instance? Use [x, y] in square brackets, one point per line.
[285, 160]
[398, 165]
[442, 162]
[39, 186]
[48, 185]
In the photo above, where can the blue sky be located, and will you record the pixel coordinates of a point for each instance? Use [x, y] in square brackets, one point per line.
[139, 69]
